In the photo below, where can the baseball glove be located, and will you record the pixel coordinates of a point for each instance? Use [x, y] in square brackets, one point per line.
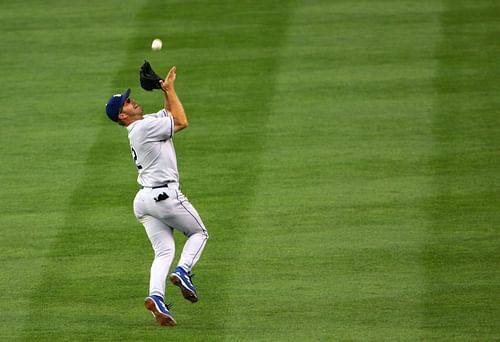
[149, 79]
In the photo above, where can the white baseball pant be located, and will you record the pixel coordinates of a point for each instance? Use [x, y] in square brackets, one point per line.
[159, 218]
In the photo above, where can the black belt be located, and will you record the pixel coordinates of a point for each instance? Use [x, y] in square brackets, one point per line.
[156, 187]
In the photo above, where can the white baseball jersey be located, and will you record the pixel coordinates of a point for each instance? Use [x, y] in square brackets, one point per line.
[161, 207]
[153, 149]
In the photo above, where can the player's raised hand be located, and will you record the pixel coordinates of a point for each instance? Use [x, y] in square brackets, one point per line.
[168, 83]
[171, 75]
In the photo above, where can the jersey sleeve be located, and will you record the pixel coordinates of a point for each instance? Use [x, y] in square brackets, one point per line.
[159, 114]
[159, 126]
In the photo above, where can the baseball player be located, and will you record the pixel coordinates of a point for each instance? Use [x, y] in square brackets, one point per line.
[159, 204]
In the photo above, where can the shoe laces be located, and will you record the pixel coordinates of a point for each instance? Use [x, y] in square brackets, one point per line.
[167, 305]
[190, 276]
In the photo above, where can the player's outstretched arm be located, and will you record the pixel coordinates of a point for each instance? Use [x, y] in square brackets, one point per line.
[172, 102]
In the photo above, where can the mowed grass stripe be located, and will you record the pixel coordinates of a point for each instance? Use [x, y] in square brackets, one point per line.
[102, 255]
[75, 296]
[337, 234]
[52, 64]
[317, 149]
[462, 247]
[233, 77]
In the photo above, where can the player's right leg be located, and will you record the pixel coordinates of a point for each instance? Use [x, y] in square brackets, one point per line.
[160, 310]
[162, 241]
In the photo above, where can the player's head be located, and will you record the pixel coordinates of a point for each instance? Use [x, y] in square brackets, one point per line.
[120, 108]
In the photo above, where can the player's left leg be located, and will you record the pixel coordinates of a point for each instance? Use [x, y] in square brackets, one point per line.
[188, 221]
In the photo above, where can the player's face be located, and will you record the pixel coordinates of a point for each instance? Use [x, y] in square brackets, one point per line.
[132, 109]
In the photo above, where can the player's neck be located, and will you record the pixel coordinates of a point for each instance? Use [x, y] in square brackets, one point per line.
[130, 120]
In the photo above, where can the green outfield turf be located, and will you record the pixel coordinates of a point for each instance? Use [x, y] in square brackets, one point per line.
[344, 155]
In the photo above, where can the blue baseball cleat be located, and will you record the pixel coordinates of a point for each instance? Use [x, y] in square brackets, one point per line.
[183, 280]
[158, 308]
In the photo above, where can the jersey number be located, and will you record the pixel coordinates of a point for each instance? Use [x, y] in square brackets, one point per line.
[134, 155]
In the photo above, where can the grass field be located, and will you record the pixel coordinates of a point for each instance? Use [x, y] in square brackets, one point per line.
[344, 155]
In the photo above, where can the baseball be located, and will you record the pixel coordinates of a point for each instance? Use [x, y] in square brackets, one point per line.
[156, 45]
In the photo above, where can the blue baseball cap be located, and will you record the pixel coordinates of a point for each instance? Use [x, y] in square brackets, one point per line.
[115, 104]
